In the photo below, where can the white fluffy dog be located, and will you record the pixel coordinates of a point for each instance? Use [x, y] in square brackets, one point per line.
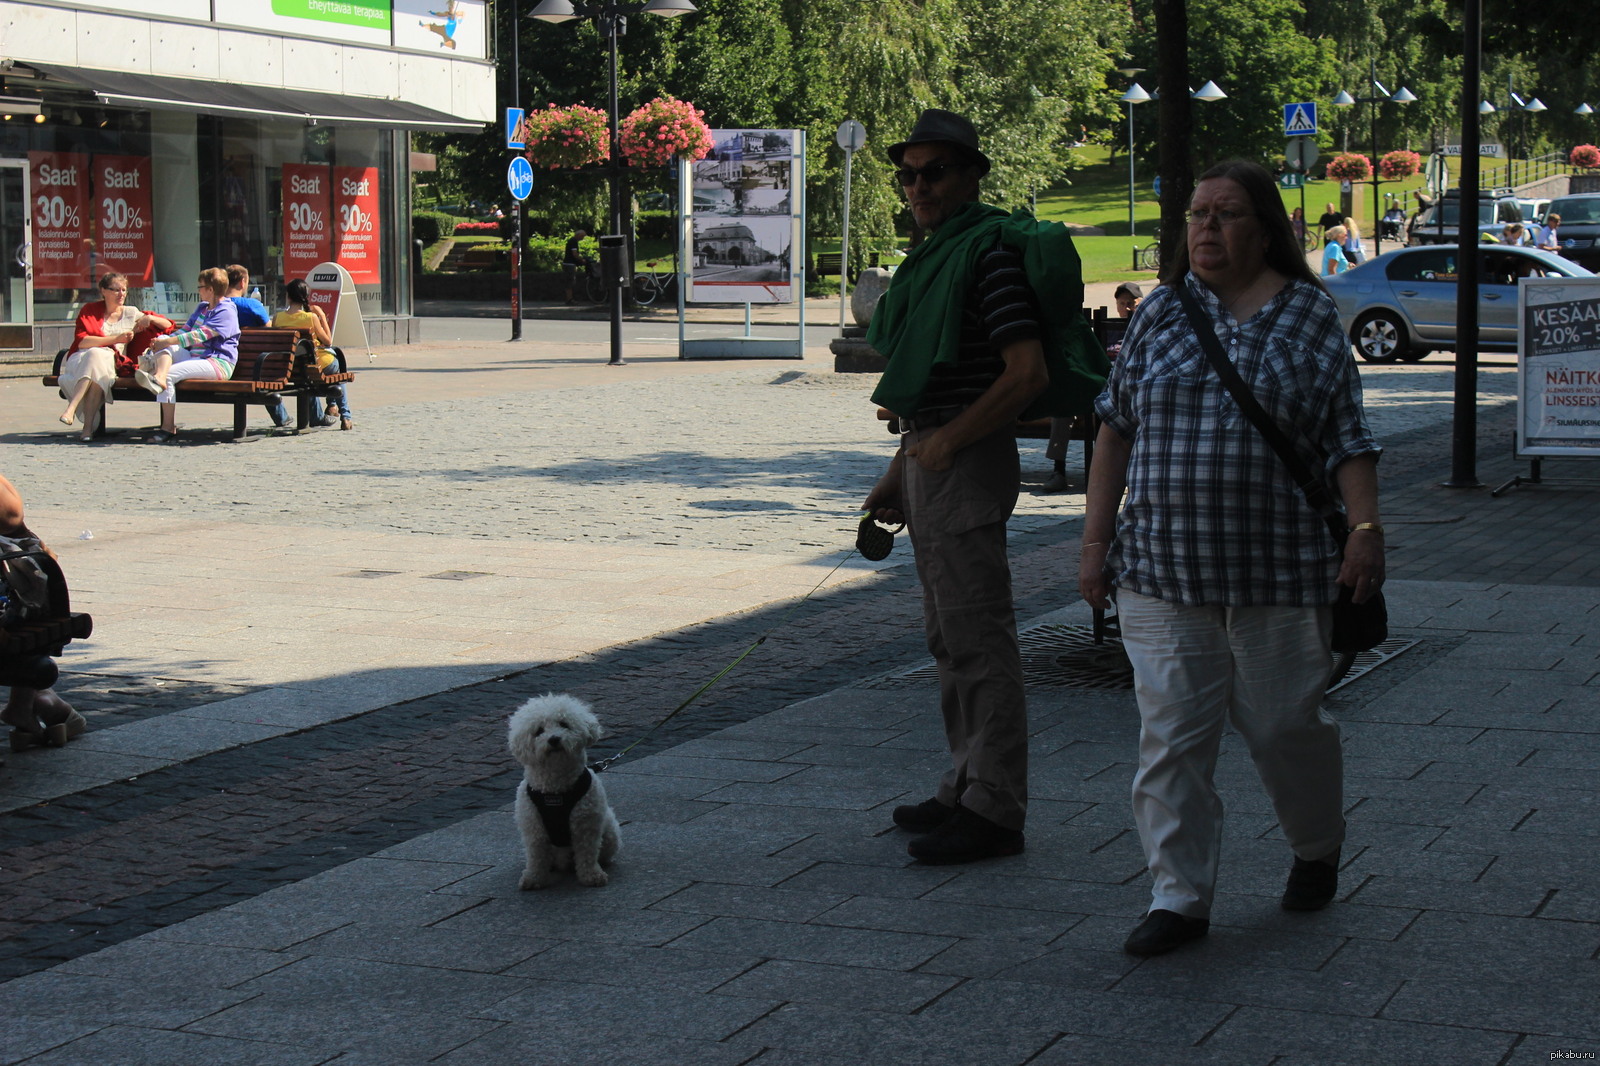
[562, 812]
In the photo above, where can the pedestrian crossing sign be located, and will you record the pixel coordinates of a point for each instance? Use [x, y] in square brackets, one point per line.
[1299, 119]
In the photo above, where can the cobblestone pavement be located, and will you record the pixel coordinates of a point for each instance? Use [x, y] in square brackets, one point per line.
[807, 917]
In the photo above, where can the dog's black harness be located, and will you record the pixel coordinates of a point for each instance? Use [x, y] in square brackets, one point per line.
[555, 808]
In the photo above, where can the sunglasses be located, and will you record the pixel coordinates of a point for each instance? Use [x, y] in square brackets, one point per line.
[933, 173]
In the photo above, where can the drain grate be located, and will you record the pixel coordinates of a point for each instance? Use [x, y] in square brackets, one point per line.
[1368, 661]
[1058, 656]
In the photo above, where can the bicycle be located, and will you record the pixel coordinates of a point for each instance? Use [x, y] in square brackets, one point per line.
[648, 284]
[594, 286]
[1149, 257]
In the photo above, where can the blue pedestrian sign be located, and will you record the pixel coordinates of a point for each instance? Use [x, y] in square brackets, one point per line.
[519, 177]
[514, 134]
[1300, 119]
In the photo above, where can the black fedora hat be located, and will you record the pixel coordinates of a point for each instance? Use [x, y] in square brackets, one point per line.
[946, 127]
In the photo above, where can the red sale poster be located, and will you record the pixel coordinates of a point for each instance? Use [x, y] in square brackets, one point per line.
[307, 229]
[123, 216]
[60, 220]
[355, 208]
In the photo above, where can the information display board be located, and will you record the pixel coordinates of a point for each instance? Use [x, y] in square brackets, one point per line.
[745, 218]
[1558, 367]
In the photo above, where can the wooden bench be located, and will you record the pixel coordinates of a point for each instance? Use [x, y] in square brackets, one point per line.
[273, 365]
[828, 264]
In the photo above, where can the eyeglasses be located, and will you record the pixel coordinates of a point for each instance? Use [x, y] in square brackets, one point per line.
[1202, 217]
[933, 173]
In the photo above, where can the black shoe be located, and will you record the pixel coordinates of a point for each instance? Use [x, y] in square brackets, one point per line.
[1312, 884]
[922, 817]
[1161, 931]
[1057, 483]
[965, 837]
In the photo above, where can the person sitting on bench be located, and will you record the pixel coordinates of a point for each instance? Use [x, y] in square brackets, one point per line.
[208, 347]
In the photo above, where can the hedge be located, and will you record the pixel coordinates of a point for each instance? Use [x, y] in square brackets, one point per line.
[653, 225]
[545, 253]
[431, 227]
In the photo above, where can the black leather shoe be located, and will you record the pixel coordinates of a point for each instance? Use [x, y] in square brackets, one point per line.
[922, 817]
[1161, 931]
[965, 837]
[1312, 884]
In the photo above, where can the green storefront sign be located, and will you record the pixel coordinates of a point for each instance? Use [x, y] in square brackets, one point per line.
[373, 14]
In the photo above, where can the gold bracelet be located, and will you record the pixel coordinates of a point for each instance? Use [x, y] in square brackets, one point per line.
[1369, 527]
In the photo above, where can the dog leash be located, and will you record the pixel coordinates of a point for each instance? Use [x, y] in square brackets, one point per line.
[872, 542]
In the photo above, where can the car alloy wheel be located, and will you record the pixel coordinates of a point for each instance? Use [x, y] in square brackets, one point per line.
[1379, 337]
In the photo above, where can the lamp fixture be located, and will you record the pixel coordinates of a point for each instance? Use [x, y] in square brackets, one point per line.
[611, 19]
[1208, 93]
[1382, 95]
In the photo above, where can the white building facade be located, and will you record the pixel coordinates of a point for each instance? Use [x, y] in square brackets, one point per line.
[161, 137]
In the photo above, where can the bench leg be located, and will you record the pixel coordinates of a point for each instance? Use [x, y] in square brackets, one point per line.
[239, 413]
[302, 412]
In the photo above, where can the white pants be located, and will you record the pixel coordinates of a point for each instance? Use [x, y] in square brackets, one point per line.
[185, 364]
[1264, 669]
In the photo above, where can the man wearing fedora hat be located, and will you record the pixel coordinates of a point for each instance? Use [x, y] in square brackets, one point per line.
[962, 328]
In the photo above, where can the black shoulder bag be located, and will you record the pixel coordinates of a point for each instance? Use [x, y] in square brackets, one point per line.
[1356, 626]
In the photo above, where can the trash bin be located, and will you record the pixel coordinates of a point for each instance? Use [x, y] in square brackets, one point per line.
[612, 254]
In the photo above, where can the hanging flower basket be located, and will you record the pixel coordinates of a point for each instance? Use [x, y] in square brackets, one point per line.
[1586, 156]
[1398, 165]
[663, 130]
[567, 136]
[1350, 167]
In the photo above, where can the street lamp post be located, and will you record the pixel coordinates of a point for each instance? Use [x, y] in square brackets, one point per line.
[611, 18]
[1135, 95]
[1400, 96]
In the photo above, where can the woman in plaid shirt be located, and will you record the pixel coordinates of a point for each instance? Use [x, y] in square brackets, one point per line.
[1224, 575]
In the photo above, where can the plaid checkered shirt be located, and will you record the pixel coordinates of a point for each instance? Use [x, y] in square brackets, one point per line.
[1212, 516]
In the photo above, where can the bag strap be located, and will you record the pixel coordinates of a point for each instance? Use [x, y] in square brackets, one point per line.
[1316, 493]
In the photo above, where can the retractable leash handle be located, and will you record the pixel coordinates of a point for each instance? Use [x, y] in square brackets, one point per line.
[875, 539]
[871, 536]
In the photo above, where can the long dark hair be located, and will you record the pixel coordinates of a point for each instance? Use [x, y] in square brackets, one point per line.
[296, 292]
[1283, 250]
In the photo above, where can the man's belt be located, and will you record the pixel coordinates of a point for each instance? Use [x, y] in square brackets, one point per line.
[929, 420]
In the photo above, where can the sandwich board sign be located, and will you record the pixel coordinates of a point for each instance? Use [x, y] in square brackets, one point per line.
[331, 288]
[1558, 367]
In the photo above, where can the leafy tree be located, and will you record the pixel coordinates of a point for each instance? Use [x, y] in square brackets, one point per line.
[1028, 72]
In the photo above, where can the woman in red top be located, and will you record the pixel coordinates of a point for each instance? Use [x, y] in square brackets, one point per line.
[106, 330]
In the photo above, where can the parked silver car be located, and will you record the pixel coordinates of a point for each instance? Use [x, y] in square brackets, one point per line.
[1402, 304]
